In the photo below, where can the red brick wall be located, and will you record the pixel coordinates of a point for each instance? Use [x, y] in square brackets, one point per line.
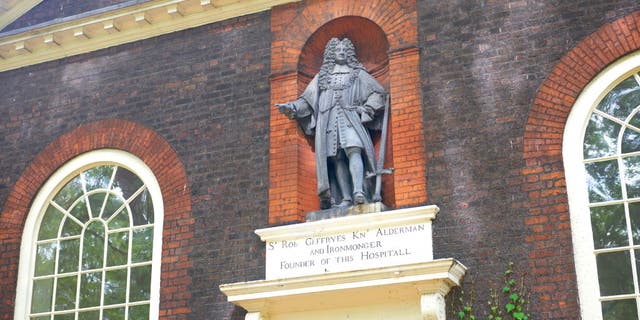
[163, 162]
[548, 225]
[292, 185]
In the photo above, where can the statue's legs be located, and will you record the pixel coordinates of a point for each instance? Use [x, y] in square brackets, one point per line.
[342, 176]
[356, 168]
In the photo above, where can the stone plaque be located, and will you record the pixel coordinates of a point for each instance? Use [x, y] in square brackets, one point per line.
[360, 242]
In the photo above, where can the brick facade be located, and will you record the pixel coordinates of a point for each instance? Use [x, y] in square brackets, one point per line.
[481, 93]
[161, 159]
[499, 184]
[205, 92]
[548, 234]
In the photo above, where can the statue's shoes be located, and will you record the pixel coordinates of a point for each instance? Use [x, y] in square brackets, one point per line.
[358, 197]
[343, 204]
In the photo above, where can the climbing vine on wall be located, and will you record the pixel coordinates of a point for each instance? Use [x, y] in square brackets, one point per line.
[510, 301]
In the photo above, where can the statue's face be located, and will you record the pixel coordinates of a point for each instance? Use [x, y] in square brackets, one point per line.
[341, 53]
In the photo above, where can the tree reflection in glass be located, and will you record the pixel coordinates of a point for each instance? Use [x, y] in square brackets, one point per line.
[614, 272]
[619, 309]
[622, 99]
[101, 221]
[601, 138]
[603, 181]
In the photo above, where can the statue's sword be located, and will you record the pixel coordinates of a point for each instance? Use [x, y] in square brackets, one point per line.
[380, 170]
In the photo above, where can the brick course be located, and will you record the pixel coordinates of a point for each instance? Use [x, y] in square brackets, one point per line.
[548, 223]
[494, 113]
[205, 91]
[496, 81]
[116, 134]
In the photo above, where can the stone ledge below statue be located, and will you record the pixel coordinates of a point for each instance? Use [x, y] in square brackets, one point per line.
[405, 292]
[338, 212]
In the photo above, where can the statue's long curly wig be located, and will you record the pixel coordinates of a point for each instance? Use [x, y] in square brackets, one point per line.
[329, 61]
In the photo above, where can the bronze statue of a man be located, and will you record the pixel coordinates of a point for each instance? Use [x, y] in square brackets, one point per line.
[338, 106]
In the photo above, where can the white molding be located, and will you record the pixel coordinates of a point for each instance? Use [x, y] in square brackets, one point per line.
[353, 289]
[572, 152]
[119, 26]
[49, 190]
[349, 223]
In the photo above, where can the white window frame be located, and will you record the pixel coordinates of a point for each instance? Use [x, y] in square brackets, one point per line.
[51, 187]
[576, 177]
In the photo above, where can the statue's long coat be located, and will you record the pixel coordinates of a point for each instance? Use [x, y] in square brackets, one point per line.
[312, 112]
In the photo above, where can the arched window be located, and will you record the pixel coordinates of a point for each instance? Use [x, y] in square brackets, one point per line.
[92, 242]
[601, 152]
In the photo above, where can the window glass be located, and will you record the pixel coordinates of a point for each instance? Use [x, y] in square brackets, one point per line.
[94, 249]
[611, 150]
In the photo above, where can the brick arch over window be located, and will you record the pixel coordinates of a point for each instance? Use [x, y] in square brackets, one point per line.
[291, 193]
[549, 234]
[165, 165]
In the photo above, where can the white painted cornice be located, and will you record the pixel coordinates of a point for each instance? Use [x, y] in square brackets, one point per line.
[10, 10]
[345, 290]
[115, 27]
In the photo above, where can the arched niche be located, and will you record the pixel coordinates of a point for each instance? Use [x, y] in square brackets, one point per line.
[385, 37]
[372, 49]
[369, 39]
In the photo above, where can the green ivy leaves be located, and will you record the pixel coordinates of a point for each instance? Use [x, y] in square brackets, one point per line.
[512, 290]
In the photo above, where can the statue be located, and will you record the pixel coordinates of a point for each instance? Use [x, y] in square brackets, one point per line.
[338, 108]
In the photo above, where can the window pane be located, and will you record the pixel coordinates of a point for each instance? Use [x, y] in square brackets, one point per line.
[603, 181]
[634, 213]
[80, 211]
[69, 255]
[71, 228]
[93, 246]
[118, 248]
[113, 314]
[614, 273]
[632, 176]
[601, 137]
[121, 220]
[50, 224]
[89, 315]
[622, 99]
[114, 203]
[630, 141]
[98, 177]
[139, 312]
[142, 245]
[90, 289]
[41, 296]
[635, 121]
[66, 316]
[115, 286]
[142, 209]
[96, 201]
[619, 310]
[66, 293]
[609, 226]
[126, 183]
[45, 258]
[69, 193]
[140, 284]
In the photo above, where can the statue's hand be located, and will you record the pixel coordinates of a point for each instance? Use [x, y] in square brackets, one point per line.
[288, 109]
[364, 110]
[366, 113]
